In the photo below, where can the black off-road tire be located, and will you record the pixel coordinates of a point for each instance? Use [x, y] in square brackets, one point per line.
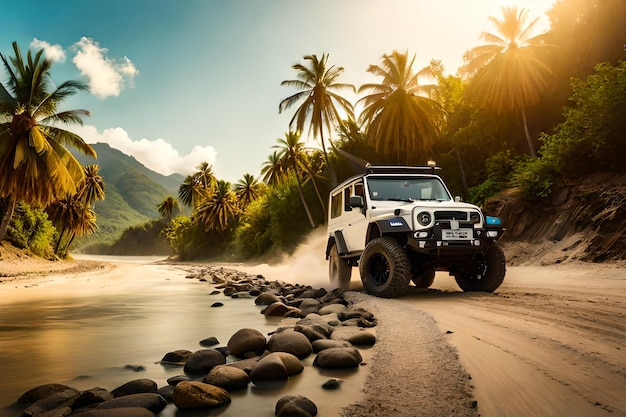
[492, 276]
[385, 268]
[425, 279]
[339, 271]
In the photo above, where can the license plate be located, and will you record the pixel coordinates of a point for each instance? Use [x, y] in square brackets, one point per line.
[460, 234]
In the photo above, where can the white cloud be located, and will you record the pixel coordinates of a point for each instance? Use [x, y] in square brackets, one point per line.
[54, 53]
[107, 77]
[158, 155]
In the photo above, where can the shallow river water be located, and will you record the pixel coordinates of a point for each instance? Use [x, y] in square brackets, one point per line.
[84, 329]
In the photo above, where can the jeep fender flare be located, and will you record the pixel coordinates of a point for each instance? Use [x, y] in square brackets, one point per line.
[336, 240]
[393, 226]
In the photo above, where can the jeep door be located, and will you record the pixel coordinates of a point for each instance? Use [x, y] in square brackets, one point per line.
[355, 221]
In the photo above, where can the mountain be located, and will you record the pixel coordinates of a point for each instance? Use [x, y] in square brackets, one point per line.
[133, 192]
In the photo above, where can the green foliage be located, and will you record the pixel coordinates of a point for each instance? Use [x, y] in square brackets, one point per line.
[141, 240]
[177, 234]
[276, 221]
[535, 177]
[592, 135]
[30, 229]
[253, 235]
[591, 138]
[499, 168]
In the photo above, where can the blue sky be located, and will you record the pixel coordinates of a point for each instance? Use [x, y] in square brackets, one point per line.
[175, 83]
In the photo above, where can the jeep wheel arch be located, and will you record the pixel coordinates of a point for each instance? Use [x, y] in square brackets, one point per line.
[385, 268]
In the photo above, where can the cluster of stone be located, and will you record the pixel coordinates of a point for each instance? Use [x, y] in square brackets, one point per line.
[325, 325]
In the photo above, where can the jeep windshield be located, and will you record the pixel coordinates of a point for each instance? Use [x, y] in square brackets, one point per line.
[407, 189]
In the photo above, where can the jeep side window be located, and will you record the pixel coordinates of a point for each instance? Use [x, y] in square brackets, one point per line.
[358, 190]
[335, 205]
[347, 192]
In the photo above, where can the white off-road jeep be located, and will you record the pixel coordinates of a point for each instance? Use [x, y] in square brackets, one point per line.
[401, 224]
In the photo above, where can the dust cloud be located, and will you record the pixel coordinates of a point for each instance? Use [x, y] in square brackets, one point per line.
[306, 266]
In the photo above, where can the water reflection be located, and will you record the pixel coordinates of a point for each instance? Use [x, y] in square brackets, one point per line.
[82, 330]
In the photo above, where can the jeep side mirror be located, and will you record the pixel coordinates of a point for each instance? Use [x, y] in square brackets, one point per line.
[356, 201]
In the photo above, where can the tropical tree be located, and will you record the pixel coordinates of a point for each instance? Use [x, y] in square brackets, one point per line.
[35, 165]
[215, 211]
[401, 119]
[168, 207]
[248, 189]
[510, 71]
[74, 218]
[92, 186]
[293, 158]
[74, 213]
[321, 105]
[273, 170]
[200, 182]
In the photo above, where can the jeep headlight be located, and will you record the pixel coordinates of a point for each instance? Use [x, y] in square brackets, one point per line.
[424, 218]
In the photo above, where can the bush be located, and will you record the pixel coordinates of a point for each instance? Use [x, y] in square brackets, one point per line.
[30, 229]
[535, 177]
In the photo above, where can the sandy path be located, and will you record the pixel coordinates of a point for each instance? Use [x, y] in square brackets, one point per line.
[551, 341]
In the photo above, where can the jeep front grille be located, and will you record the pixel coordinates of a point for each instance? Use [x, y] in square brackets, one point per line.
[450, 215]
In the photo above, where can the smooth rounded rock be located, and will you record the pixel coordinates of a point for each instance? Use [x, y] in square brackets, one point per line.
[151, 401]
[203, 361]
[136, 386]
[60, 399]
[355, 335]
[246, 340]
[41, 391]
[295, 406]
[292, 342]
[177, 357]
[321, 344]
[195, 395]
[338, 358]
[228, 378]
[266, 298]
[280, 309]
[92, 396]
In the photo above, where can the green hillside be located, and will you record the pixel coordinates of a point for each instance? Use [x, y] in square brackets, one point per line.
[132, 193]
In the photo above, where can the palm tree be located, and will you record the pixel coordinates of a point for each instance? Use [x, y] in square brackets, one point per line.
[35, 165]
[248, 189]
[321, 104]
[273, 170]
[400, 116]
[73, 213]
[168, 207]
[74, 217]
[196, 184]
[92, 188]
[217, 210]
[205, 175]
[293, 158]
[509, 71]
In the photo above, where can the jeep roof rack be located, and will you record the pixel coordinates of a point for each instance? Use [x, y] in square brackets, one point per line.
[399, 169]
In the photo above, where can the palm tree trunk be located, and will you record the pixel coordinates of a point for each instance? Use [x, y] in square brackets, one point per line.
[58, 245]
[69, 243]
[9, 207]
[463, 178]
[531, 147]
[331, 171]
[317, 190]
[306, 207]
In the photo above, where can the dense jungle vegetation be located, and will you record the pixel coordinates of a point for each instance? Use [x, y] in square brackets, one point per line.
[526, 110]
